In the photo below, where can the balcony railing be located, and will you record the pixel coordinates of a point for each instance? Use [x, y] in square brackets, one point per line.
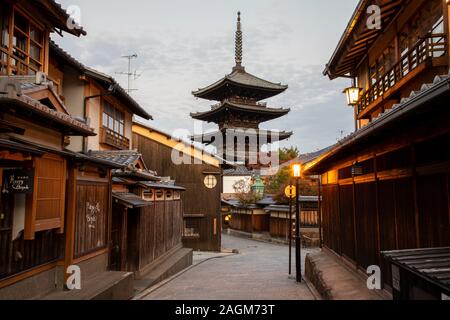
[426, 49]
[114, 139]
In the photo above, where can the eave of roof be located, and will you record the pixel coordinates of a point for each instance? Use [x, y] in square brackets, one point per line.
[60, 17]
[264, 112]
[428, 92]
[349, 35]
[282, 135]
[104, 78]
[161, 186]
[145, 130]
[130, 200]
[23, 145]
[244, 79]
[430, 264]
[67, 124]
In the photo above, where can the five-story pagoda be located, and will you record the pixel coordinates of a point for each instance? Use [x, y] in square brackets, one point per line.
[240, 112]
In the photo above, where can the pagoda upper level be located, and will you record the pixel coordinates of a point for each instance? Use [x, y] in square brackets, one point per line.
[240, 84]
[239, 111]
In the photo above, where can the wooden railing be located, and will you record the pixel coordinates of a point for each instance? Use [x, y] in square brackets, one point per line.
[426, 49]
[114, 139]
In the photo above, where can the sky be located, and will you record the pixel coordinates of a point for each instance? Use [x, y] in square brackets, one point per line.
[185, 45]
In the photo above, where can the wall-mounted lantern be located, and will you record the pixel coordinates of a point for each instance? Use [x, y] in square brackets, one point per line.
[352, 94]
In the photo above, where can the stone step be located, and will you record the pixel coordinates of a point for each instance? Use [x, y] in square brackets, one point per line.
[335, 281]
[108, 285]
[171, 265]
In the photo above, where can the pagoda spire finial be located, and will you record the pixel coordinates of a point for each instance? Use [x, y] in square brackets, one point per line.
[238, 56]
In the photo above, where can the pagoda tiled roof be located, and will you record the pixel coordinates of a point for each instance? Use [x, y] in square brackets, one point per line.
[239, 77]
[282, 135]
[265, 112]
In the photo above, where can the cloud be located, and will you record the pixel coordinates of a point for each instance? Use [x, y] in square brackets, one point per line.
[173, 62]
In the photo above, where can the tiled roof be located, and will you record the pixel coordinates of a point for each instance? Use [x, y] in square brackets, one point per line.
[430, 264]
[59, 16]
[161, 185]
[266, 201]
[125, 158]
[243, 78]
[415, 100]
[119, 91]
[130, 200]
[239, 171]
[282, 135]
[11, 94]
[263, 111]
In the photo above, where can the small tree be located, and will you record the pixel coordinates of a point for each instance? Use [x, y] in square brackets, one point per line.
[288, 154]
[244, 194]
[278, 183]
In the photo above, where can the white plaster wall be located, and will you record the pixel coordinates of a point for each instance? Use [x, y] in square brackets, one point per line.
[73, 92]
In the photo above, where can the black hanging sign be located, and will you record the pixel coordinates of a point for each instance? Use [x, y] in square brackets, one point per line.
[18, 181]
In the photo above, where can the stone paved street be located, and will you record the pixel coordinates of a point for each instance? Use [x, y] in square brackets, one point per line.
[259, 272]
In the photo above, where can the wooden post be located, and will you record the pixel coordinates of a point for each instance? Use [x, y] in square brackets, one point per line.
[290, 233]
[446, 13]
[416, 203]
[377, 208]
[70, 219]
[320, 212]
[124, 240]
[448, 198]
[355, 238]
[339, 218]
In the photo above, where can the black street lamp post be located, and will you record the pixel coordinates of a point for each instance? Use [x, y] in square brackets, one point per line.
[298, 246]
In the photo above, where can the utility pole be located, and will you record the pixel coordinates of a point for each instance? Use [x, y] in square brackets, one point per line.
[130, 73]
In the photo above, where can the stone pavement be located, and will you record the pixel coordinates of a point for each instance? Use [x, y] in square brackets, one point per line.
[258, 272]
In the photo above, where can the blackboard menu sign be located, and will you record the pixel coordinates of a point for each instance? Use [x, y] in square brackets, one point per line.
[18, 181]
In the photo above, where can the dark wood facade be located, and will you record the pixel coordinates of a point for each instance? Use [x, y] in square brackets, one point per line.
[201, 205]
[386, 187]
[147, 232]
[250, 220]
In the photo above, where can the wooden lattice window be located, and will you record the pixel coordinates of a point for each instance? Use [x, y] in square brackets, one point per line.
[46, 205]
[22, 49]
[113, 119]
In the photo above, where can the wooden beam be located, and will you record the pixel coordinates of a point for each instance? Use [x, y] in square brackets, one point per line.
[355, 238]
[31, 207]
[446, 12]
[70, 219]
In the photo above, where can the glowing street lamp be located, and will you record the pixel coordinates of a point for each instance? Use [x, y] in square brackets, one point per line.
[352, 94]
[297, 168]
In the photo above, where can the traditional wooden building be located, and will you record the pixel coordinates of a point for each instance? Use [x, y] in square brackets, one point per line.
[147, 218]
[42, 181]
[249, 218]
[239, 113]
[144, 230]
[386, 186]
[280, 218]
[194, 169]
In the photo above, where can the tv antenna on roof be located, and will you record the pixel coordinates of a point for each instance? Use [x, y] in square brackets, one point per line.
[130, 74]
